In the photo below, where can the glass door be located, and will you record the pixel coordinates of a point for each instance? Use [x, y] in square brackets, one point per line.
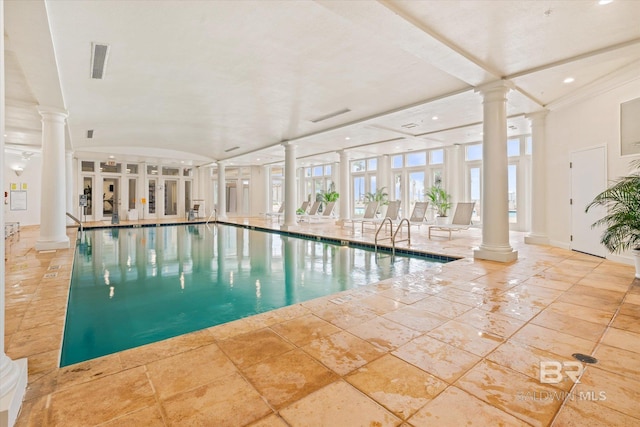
[170, 197]
[87, 190]
[110, 197]
[153, 183]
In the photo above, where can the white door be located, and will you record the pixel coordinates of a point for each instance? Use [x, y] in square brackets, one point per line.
[588, 178]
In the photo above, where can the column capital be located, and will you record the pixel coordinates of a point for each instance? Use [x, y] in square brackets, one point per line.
[537, 115]
[52, 111]
[497, 89]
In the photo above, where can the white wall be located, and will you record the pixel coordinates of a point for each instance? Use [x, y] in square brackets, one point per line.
[585, 124]
[31, 176]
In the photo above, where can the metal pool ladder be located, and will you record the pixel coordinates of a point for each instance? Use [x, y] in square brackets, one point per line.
[392, 235]
[214, 214]
[75, 220]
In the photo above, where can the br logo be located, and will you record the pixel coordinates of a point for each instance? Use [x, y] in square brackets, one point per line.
[553, 372]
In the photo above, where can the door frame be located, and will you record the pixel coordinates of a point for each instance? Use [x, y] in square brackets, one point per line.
[580, 220]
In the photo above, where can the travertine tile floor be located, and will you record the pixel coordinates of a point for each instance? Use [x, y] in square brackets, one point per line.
[457, 345]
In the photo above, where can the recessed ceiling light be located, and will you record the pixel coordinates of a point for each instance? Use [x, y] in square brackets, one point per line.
[569, 80]
[112, 157]
[258, 159]
[603, 2]
[347, 138]
[434, 118]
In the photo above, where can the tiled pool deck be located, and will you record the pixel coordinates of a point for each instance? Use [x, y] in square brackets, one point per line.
[457, 345]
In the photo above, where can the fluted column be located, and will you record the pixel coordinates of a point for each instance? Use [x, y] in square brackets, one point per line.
[53, 231]
[289, 186]
[266, 187]
[71, 196]
[538, 234]
[453, 173]
[13, 373]
[222, 191]
[345, 194]
[495, 198]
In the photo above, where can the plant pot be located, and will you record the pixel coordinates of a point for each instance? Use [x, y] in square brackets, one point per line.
[636, 256]
[441, 220]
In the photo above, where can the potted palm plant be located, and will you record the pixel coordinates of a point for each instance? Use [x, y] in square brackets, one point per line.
[380, 196]
[622, 222]
[439, 200]
[331, 195]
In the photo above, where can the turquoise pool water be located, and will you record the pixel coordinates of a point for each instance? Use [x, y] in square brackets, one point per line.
[134, 286]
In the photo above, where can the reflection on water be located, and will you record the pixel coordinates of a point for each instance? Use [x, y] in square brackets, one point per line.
[133, 286]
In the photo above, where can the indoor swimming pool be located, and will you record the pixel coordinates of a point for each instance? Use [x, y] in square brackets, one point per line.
[134, 286]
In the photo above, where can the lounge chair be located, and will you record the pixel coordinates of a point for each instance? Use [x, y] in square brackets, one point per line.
[327, 213]
[393, 213]
[419, 213]
[303, 207]
[313, 211]
[276, 214]
[461, 219]
[369, 213]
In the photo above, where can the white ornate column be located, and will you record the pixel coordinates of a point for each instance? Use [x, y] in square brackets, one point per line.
[290, 189]
[13, 373]
[267, 188]
[495, 198]
[345, 194]
[538, 234]
[222, 191]
[72, 198]
[53, 224]
[301, 185]
[453, 173]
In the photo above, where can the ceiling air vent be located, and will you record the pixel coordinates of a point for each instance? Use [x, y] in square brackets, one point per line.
[99, 54]
[330, 115]
[90, 133]
[409, 125]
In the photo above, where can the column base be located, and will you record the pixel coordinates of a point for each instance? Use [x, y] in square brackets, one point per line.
[11, 402]
[536, 239]
[287, 227]
[499, 256]
[47, 245]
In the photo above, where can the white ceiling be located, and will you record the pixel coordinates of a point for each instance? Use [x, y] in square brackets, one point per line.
[189, 80]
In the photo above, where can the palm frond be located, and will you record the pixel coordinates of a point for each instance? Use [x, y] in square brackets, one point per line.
[622, 222]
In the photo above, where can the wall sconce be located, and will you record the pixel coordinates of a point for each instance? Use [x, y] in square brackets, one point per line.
[18, 170]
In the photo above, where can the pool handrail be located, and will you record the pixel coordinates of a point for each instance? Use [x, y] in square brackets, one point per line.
[75, 220]
[214, 213]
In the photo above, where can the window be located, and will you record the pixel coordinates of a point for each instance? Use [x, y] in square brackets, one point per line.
[318, 171]
[396, 161]
[372, 164]
[88, 166]
[512, 185]
[358, 166]
[152, 170]
[167, 171]
[436, 157]
[416, 159]
[187, 172]
[513, 147]
[327, 170]
[307, 172]
[110, 167]
[132, 168]
[474, 152]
